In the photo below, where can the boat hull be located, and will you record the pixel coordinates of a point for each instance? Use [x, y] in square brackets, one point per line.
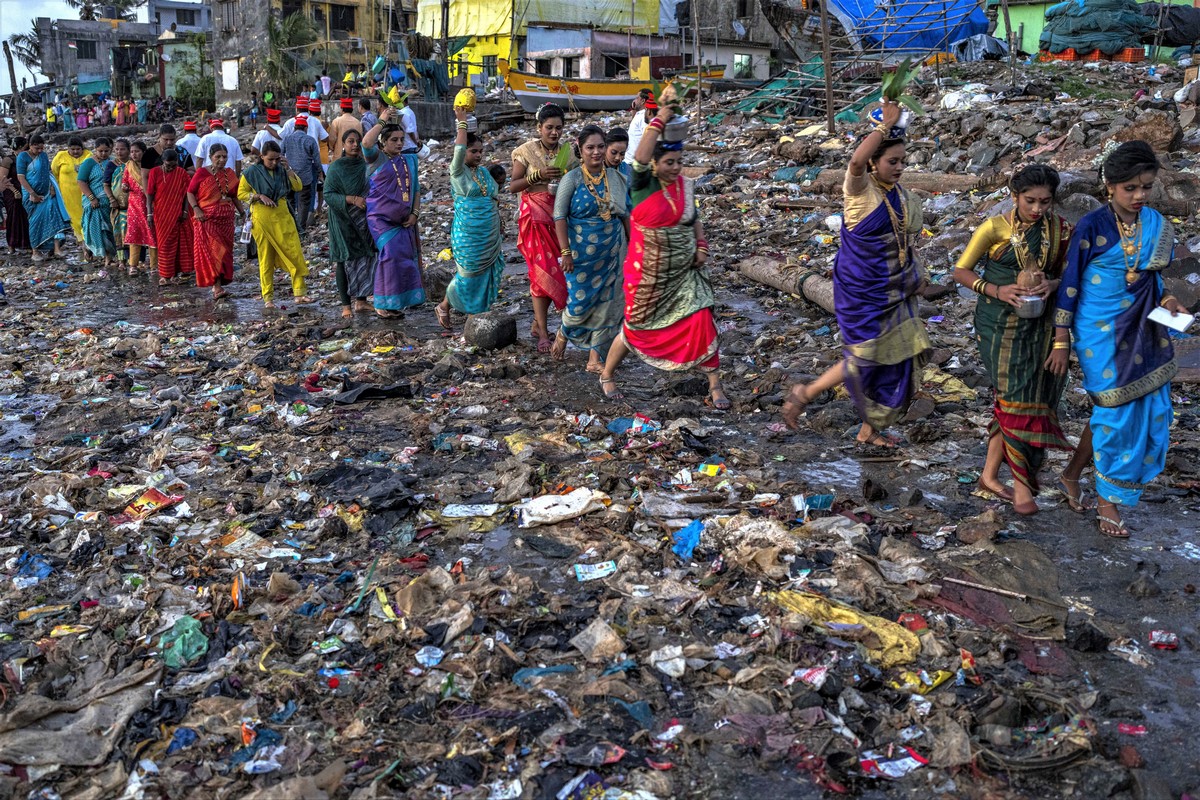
[584, 94]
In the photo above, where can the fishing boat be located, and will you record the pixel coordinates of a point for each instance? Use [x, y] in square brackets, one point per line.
[588, 94]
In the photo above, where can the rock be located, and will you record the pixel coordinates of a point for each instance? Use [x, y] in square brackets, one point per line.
[1075, 207]
[1100, 779]
[981, 528]
[1143, 584]
[973, 123]
[437, 277]
[920, 408]
[1086, 637]
[1157, 128]
[691, 386]
[1150, 787]
[449, 367]
[1130, 758]
[1078, 134]
[491, 331]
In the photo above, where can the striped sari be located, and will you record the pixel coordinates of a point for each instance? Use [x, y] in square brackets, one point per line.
[120, 206]
[212, 239]
[1014, 352]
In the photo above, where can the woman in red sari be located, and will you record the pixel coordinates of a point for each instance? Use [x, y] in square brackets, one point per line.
[138, 232]
[212, 194]
[532, 176]
[668, 296]
[167, 191]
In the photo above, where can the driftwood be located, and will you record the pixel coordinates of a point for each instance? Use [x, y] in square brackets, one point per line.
[790, 278]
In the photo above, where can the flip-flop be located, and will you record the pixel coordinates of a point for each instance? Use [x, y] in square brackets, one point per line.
[793, 408]
[1074, 502]
[595, 369]
[615, 394]
[720, 405]
[1121, 531]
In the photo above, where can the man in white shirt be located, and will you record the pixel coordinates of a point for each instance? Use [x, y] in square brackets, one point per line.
[267, 134]
[644, 109]
[315, 129]
[190, 140]
[407, 119]
[217, 134]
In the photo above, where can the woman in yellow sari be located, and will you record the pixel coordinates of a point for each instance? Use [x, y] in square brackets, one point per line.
[65, 168]
[264, 188]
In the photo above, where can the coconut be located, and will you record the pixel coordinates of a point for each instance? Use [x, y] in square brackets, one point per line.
[1027, 279]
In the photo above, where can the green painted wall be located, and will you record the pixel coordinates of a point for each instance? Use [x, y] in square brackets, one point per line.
[1028, 19]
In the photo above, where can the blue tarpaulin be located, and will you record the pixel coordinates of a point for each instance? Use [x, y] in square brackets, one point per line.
[909, 25]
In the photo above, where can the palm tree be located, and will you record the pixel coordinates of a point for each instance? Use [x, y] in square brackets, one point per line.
[27, 47]
[92, 9]
[285, 38]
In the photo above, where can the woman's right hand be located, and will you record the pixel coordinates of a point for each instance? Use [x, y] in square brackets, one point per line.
[266, 201]
[567, 263]
[1009, 294]
[891, 112]
[551, 173]
[199, 214]
[460, 114]
[94, 202]
[37, 198]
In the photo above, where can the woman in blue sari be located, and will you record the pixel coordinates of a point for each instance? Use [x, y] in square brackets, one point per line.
[1112, 282]
[392, 209]
[875, 283]
[476, 232]
[591, 220]
[43, 203]
[616, 144]
[97, 209]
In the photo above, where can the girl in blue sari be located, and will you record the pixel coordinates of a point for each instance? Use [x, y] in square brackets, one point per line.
[43, 203]
[393, 200]
[616, 143]
[476, 232]
[591, 220]
[875, 283]
[97, 208]
[1111, 283]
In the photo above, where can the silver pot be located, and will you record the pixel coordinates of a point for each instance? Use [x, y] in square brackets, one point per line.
[1032, 306]
[677, 129]
[552, 187]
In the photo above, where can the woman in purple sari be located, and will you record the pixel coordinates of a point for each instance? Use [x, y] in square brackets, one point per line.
[392, 203]
[875, 283]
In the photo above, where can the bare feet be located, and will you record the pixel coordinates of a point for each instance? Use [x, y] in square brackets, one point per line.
[593, 366]
[876, 439]
[303, 300]
[347, 312]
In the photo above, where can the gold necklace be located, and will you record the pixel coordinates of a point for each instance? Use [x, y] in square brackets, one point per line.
[899, 227]
[1131, 244]
[1019, 238]
[605, 202]
[474, 173]
[666, 190]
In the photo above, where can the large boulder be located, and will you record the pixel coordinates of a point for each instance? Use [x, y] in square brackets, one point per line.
[491, 331]
[1157, 128]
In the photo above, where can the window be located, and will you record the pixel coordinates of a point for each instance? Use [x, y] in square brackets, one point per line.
[341, 18]
[742, 67]
[743, 9]
[570, 68]
[229, 75]
[490, 69]
[226, 16]
[541, 66]
[615, 65]
[85, 50]
[185, 16]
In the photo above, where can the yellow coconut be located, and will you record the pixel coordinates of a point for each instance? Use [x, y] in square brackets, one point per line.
[465, 99]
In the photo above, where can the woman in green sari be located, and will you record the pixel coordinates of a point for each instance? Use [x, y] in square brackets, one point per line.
[96, 222]
[350, 243]
[118, 198]
[1016, 344]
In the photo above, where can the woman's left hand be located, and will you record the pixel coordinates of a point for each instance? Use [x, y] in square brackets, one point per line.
[409, 221]
[701, 258]
[1045, 288]
[1174, 306]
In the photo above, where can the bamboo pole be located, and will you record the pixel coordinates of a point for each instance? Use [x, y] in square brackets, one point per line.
[827, 57]
[18, 102]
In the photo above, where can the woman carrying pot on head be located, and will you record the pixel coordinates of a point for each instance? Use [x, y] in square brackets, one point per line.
[668, 296]
[1022, 255]
[393, 208]
[476, 231]
[875, 283]
[533, 172]
[1111, 284]
[592, 223]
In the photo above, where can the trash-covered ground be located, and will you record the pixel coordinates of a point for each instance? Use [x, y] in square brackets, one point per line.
[275, 555]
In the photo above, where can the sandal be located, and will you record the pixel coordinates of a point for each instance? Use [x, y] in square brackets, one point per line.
[558, 351]
[303, 300]
[595, 369]
[615, 394]
[984, 493]
[720, 404]
[795, 404]
[878, 440]
[162, 281]
[443, 316]
[389, 314]
[1074, 501]
[1117, 529]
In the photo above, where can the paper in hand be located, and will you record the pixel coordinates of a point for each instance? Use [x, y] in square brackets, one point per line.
[1178, 322]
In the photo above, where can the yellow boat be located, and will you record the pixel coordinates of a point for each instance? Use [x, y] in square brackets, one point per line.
[586, 94]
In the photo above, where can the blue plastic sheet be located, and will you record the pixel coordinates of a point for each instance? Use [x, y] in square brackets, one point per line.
[910, 27]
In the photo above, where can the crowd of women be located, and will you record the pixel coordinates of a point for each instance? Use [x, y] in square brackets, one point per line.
[618, 249]
[94, 111]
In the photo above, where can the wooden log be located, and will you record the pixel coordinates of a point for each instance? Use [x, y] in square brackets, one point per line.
[789, 278]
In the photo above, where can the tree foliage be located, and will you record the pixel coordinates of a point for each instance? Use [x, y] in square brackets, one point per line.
[195, 86]
[94, 9]
[27, 48]
[287, 40]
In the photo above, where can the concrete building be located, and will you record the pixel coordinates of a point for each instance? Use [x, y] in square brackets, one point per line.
[180, 16]
[356, 30]
[731, 32]
[94, 56]
[581, 52]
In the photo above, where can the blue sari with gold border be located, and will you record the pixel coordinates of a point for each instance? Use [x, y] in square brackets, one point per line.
[1127, 360]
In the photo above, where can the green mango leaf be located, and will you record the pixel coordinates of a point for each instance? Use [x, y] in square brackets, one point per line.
[892, 89]
[912, 104]
[563, 159]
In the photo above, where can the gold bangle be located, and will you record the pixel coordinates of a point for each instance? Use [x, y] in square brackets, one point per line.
[566, 251]
[1163, 302]
[882, 130]
[1062, 346]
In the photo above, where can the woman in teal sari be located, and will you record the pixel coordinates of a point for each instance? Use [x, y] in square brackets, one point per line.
[118, 198]
[591, 219]
[1111, 284]
[476, 233]
[97, 210]
[43, 203]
